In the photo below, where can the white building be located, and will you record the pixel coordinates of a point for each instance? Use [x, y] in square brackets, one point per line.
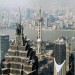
[60, 69]
[4, 45]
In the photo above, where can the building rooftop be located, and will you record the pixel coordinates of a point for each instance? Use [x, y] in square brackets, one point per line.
[60, 41]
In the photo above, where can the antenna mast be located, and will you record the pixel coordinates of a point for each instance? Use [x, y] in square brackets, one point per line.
[20, 16]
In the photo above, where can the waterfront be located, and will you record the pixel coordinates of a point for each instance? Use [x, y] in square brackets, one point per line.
[47, 35]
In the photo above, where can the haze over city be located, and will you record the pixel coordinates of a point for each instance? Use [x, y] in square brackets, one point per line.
[35, 3]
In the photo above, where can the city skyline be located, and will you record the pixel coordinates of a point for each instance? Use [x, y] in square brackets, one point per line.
[32, 27]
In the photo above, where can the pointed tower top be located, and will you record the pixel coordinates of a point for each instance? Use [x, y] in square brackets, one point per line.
[40, 9]
[40, 18]
[20, 16]
[40, 12]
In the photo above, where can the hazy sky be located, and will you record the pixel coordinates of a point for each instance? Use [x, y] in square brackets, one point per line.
[34, 3]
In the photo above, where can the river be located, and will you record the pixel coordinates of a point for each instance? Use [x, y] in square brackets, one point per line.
[47, 35]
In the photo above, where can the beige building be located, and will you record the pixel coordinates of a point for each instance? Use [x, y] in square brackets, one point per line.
[67, 58]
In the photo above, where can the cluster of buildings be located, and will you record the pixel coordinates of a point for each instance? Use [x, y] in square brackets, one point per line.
[53, 19]
[22, 59]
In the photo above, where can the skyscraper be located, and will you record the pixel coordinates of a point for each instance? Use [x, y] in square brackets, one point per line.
[51, 19]
[60, 57]
[62, 25]
[28, 13]
[67, 56]
[4, 45]
[19, 59]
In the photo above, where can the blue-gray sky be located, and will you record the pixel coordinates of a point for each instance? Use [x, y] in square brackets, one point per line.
[35, 3]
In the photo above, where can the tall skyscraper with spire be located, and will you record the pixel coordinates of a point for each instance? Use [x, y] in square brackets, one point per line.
[20, 56]
[39, 39]
[19, 31]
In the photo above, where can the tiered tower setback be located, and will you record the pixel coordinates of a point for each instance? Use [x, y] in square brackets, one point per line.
[19, 35]
[19, 59]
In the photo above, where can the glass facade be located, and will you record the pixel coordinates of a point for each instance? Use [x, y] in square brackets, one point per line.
[60, 53]
[4, 45]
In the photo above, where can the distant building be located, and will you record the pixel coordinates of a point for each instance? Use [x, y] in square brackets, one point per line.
[73, 44]
[60, 57]
[67, 56]
[45, 14]
[62, 25]
[28, 14]
[4, 45]
[51, 19]
[46, 22]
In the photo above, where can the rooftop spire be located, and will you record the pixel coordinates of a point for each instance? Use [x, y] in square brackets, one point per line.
[40, 8]
[20, 16]
[20, 19]
[40, 12]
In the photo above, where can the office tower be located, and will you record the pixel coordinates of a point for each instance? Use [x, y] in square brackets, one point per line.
[45, 14]
[60, 57]
[62, 25]
[67, 25]
[72, 44]
[28, 14]
[67, 56]
[46, 22]
[20, 59]
[39, 38]
[4, 45]
[72, 55]
[51, 19]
